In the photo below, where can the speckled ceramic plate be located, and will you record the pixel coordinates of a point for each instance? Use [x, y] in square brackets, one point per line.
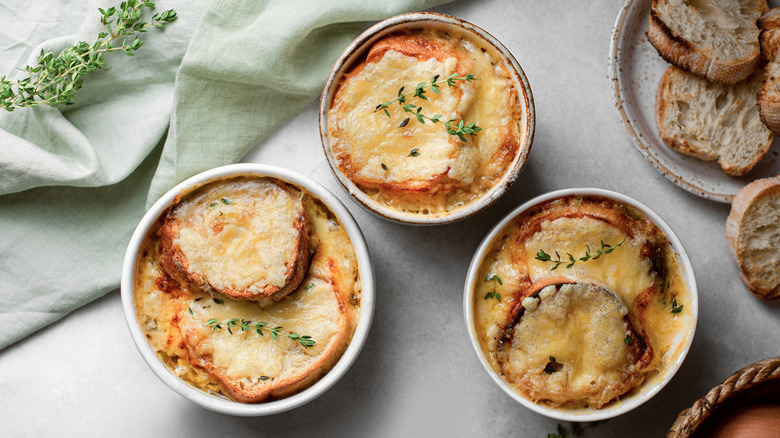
[635, 68]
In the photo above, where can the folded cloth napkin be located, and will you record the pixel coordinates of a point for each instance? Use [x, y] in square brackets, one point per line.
[75, 180]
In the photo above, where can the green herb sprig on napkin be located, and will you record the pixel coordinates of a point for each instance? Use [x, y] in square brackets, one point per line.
[56, 79]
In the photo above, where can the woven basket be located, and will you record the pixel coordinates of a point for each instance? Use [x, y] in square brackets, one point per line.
[756, 383]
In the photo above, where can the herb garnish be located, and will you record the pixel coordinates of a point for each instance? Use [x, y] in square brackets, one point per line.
[55, 79]
[460, 129]
[605, 249]
[574, 429]
[675, 308]
[629, 339]
[217, 300]
[384, 166]
[244, 325]
[227, 201]
[494, 294]
[552, 366]
[309, 286]
[415, 151]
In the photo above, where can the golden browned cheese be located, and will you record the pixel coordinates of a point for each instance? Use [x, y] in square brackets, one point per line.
[606, 322]
[242, 364]
[415, 167]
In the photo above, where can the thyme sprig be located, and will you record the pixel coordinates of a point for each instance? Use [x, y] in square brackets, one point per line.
[605, 249]
[245, 325]
[494, 294]
[55, 79]
[460, 129]
[574, 429]
[675, 307]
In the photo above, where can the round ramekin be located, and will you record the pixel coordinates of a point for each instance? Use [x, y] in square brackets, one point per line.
[648, 389]
[220, 404]
[354, 53]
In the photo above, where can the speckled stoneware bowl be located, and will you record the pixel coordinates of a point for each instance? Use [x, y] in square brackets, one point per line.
[635, 398]
[356, 51]
[223, 404]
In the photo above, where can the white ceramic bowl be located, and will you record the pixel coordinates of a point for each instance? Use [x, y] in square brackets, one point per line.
[648, 389]
[221, 404]
[354, 53]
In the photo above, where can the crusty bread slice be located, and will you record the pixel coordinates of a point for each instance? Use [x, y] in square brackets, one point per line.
[714, 39]
[251, 368]
[769, 96]
[594, 323]
[753, 236]
[245, 238]
[711, 121]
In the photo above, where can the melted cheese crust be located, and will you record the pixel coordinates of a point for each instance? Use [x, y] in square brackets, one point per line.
[645, 282]
[240, 235]
[244, 365]
[375, 153]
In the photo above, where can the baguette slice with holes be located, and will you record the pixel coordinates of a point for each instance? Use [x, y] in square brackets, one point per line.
[711, 121]
[753, 236]
[769, 96]
[715, 39]
[245, 238]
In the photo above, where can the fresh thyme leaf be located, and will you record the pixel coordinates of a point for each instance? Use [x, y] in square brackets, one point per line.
[227, 201]
[415, 151]
[218, 301]
[384, 166]
[264, 377]
[675, 308]
[605, 249]
[54, 80]
[309, 286]
[493, 294]
[198, 299]
[629, 339]
[190, 310]
[460, 129]
[235, 323]
[212, 204]
[494, 277]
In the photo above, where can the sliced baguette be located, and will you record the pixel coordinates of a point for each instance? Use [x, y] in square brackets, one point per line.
[716, 39]
[753, 236]
[711, 121]
[245, 238]
[769, 96]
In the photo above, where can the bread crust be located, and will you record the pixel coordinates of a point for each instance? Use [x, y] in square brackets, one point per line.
[275, 388]
[174, 261]
[643, 356]
[687, 56]
[768, 99]
[680, 144]
[746, 197]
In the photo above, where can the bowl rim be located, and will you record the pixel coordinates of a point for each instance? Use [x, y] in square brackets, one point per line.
[628, 403]
[358, 46]
[224, 405]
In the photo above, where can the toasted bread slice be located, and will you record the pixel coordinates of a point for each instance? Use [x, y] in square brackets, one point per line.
[387, 163]
[245, 238]
[769, 96]
[563, 336]
[753, 236]
[717, 40]
[251, 367]
[711, 121]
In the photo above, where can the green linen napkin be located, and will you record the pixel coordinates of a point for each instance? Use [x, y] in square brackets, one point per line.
[76, 180]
